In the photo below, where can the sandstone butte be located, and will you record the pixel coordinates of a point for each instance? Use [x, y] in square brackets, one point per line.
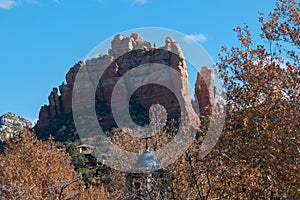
[125, 54]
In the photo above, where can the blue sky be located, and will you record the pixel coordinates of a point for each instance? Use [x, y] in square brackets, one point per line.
[41, 39]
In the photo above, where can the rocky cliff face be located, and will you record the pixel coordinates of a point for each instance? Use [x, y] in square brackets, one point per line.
[126, 53]
[62, 104]
[205, 90]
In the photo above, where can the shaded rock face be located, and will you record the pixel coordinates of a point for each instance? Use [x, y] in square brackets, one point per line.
[11, 124]
[126, 53]
[148, 94]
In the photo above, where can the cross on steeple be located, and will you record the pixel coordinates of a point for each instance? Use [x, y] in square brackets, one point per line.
[147, 146]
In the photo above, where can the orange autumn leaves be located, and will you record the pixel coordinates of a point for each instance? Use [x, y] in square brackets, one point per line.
[33, 169]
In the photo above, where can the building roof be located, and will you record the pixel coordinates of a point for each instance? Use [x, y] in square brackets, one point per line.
[86, 146]
[148, 161]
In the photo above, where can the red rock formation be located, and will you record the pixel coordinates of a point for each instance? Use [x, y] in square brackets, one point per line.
[205, 90]
[125, 54]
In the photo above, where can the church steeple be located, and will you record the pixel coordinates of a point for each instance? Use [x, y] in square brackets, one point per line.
[151, 181]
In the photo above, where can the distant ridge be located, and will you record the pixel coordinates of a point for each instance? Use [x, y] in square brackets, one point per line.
[10, 124]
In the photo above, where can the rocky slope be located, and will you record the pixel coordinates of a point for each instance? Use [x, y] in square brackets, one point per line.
[11, 124]
[125, 54]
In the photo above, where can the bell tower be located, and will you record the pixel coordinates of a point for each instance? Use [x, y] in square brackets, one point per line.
[149, 181]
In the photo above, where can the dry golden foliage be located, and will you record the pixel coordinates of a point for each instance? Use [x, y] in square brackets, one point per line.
[33, 169]
[263, 82]
[258, 156]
